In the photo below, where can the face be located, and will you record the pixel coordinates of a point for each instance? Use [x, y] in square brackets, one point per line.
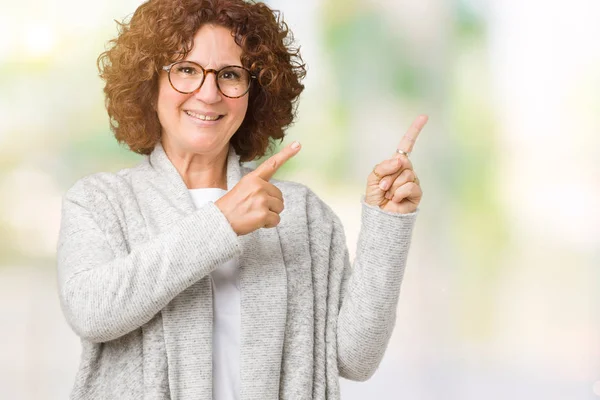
[188, 120]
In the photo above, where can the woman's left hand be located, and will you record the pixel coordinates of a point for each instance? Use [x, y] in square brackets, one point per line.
[393, 184]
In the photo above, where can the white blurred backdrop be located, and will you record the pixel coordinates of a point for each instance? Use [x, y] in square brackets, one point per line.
[501, 293]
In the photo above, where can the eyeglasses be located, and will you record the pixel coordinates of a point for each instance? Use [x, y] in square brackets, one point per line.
[187, 76]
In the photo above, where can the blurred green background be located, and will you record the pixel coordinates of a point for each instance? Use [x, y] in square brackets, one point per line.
[500, 298]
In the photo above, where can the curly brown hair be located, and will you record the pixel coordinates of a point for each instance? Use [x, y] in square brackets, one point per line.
[161, 32]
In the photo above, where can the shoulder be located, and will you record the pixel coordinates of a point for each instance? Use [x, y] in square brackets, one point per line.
[99, 189]
[105, 200]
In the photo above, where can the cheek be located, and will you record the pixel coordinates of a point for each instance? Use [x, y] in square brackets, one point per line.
[240, 107]
[168, 102]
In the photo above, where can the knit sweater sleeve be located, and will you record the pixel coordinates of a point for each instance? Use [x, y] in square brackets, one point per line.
[105, 296]
[370, 288]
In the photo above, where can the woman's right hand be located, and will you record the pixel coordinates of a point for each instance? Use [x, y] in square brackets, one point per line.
[254, 203]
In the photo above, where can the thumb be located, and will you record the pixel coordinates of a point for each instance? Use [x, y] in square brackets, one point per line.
[268, 168]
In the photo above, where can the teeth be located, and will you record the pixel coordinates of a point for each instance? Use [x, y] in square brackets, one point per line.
[201, 116]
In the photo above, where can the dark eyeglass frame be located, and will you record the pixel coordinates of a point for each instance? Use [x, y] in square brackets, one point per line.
[205, 72]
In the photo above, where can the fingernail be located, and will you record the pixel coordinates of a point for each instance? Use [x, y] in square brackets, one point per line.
[383, 185]
[295, 144]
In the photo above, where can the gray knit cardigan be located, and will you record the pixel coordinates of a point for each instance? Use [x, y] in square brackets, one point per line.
[134, 257]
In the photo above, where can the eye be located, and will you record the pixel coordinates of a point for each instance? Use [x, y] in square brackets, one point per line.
[230, 74]
[186, 70]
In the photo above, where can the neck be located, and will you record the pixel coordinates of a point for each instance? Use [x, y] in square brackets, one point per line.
[200, 170]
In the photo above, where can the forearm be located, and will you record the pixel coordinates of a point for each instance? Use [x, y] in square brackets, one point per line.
[370, 294]
[104, 297]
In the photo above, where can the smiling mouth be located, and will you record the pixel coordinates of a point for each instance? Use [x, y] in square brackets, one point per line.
[204, 117]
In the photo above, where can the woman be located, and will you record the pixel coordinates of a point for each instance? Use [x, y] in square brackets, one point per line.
[168, 271]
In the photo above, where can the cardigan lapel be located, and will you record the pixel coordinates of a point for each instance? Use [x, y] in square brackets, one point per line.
[188, 319]
[264, 303]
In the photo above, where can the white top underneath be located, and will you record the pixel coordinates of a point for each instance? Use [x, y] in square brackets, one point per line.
[226, 316]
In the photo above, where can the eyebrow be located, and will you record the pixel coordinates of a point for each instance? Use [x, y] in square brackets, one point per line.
[220, 66]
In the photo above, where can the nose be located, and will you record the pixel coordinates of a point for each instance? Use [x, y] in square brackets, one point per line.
[208, 92]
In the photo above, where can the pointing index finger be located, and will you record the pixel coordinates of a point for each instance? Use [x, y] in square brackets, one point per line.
[267, 169]
[410, 137]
